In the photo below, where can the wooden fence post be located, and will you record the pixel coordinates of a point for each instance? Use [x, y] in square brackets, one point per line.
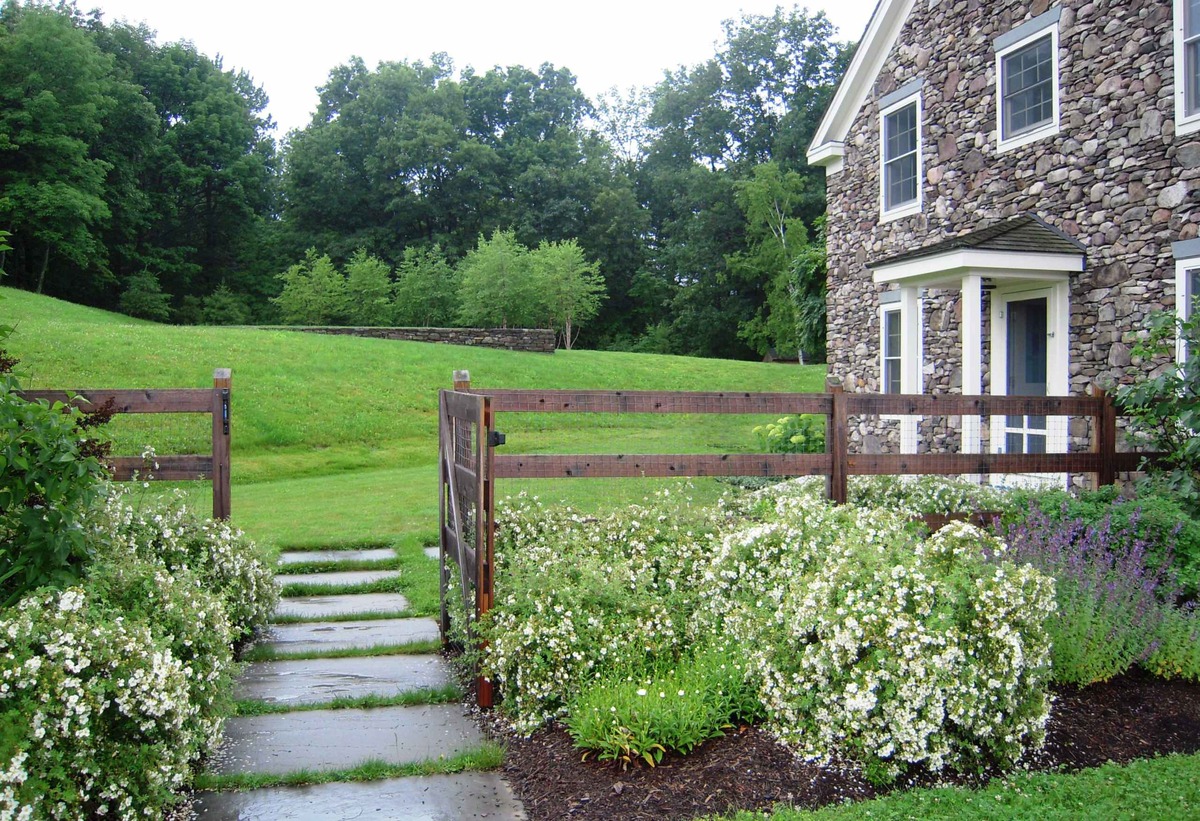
[462, 381]
[1104, 436]
[222, 387]
[837, 442]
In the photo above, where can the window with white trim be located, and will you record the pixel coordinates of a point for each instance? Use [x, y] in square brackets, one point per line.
[891, 348]
[1187, 289]
[1187, 66]
[900, 158]
[1027, 82]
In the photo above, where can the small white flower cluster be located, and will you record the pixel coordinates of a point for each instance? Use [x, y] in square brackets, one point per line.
[114, 688]
[862, 638]
[870, 642]
[585, 595]
[102, 714]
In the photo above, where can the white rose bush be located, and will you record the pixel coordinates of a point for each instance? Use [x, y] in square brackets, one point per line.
[853, 633]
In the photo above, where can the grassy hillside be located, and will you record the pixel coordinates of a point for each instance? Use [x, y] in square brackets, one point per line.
[335, 437]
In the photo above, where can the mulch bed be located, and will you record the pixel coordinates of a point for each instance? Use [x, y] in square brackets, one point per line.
[1133, 716]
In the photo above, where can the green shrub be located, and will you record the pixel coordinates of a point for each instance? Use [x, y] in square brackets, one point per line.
[96, 718]
[644, 714]
[1155, 515]
[1175, 651]
[870, 642]
[921, 495]
[585, 596]
[144, 297]
[793, 434]
[174, 538]
[46, 489]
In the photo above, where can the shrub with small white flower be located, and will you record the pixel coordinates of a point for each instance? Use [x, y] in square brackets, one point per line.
[583, 595]
[872, 643]
[111, 690]
[96, 716]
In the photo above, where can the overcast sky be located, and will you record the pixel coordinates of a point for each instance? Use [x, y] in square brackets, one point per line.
[289, 48]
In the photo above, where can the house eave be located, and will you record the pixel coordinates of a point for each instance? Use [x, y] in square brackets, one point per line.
[873, 49]
[950, 267]
[829, 155]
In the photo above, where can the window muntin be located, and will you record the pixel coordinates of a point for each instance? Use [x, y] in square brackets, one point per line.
[892, 351]
[900, 156]
[1028, 87]
[1027, 82]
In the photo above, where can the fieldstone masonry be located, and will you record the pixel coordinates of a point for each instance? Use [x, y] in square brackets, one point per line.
[1115, 177]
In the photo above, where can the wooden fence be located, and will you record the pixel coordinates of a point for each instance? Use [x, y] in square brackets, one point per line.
[469, 464]
[215, 402]
[837, 463]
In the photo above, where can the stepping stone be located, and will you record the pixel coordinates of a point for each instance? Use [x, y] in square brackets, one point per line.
[375, 554]
[319, 607]
[340, 577]
[433, 552]
[320, 680]
[307, 637]
[337, 739]
[423, 798]
[347, 635]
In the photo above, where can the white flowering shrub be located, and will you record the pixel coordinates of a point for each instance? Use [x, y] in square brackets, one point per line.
[919, 495]
[96, 718]
[170, 535]
[871, 643]
[580, 596]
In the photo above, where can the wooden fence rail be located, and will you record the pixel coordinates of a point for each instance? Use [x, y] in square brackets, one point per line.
[837, 463]
[213, 467]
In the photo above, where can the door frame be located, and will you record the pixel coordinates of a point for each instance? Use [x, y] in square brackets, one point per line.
[1058, 317]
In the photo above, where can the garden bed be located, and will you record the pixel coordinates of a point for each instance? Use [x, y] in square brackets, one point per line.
[1133, 716]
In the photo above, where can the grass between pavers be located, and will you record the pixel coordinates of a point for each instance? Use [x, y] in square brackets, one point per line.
[446, 694]
[393, 584]
[366, 615]
[1161, 788]
[487, 756]
[334, 566]
[411, 648]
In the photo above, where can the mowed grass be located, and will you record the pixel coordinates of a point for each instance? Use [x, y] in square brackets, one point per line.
[335, 438]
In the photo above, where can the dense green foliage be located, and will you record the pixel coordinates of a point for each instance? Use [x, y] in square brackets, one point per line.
[143, 176]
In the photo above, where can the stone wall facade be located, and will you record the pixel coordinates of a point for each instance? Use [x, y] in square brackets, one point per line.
[531, 340]
[1115, 177]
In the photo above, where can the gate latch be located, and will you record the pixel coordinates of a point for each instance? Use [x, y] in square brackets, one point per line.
[225, 410]
[495, 439]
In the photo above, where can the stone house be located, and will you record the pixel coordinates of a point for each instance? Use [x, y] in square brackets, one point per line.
[1012, 190]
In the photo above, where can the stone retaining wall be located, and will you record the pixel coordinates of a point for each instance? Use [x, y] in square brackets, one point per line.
[532, 340]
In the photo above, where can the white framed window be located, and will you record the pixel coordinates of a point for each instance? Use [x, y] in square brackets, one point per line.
[1027, 82]
[1187, 289]
[1187, 66]
[900, 153]
[891, 356]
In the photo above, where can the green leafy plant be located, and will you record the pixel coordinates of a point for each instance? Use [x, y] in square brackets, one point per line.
[1165, 407]
[630, 716]
[793, 434]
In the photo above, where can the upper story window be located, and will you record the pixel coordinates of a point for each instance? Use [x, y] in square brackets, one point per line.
[900, 154]
[1027, 81]
[1187, 66]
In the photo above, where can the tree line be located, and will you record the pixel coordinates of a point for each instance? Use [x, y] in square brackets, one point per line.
[145, 178]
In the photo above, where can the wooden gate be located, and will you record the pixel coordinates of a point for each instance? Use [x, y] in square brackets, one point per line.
[465, 510]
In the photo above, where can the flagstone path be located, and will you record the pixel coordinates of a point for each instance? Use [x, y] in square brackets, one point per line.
[280, 743]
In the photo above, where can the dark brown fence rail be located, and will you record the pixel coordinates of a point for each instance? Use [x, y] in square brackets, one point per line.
[212, 467]
[1103, 461]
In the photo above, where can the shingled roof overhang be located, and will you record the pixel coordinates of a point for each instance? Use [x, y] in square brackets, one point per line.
[1022, 247]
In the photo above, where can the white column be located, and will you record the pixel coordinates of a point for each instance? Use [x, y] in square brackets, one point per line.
[910, 374]
[972, 354]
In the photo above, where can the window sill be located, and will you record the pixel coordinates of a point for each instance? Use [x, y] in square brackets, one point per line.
[906, 210]
[1041, 132]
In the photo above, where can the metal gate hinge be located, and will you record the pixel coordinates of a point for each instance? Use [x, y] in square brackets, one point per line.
[495, 439]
